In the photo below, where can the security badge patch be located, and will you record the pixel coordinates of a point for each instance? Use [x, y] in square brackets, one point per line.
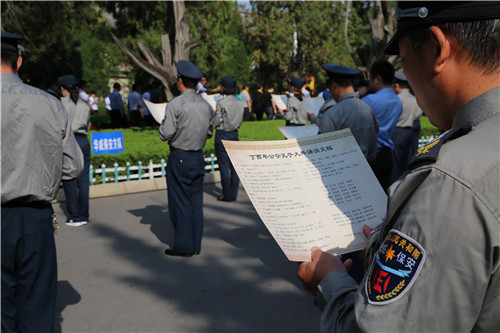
[394, 269]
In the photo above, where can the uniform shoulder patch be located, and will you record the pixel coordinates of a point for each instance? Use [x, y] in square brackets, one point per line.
[429, 153]
[394, 269]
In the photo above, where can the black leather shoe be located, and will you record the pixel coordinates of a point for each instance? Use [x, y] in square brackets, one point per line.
[171, 252]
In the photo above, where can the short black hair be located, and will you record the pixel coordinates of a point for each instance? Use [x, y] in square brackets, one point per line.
[383, 68]
[189, 83]
[117, 86]
[10, 58]
[479, 41]
[342, 80]
[229, 91]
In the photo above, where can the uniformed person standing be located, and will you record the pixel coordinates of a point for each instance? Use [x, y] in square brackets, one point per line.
[228, 119]
[76, 190]
[38, 149]
[406, 134]
[349, 112]
[187, 125]
[296, 112]
[434, 261]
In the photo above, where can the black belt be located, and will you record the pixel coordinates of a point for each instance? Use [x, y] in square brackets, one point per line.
[35, 204]
[189, 151]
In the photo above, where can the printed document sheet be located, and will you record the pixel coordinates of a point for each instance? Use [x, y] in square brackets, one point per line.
[312, 191]
[157, 110]
[292, 132]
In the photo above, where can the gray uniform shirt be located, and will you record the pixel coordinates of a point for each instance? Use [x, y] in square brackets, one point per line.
[351, 112]
[78, 114]
[229, 114]
[38, 145]
[297, 111]
[411, 111]
[188, 122]
[451, 208]
[322, 110]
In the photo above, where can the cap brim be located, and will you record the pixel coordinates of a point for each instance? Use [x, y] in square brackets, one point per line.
[392, 47]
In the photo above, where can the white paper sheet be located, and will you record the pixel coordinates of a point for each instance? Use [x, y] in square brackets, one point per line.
[212, 99]
[313, 104]
[313, 191]
[157, 110]
[292, 132]
[280, 101]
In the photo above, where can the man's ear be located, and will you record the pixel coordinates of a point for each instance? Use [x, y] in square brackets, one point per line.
[19, 62]
[442, 48]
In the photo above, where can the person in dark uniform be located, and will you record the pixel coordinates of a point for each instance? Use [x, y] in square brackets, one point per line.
[228, 119]
[76, 190]
[258, 103]
[186, 127]
[434, 263]
[38, 149]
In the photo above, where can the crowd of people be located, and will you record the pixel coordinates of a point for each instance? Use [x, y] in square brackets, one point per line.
[431, 265]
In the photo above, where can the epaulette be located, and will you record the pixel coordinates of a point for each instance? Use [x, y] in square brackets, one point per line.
[428, 154]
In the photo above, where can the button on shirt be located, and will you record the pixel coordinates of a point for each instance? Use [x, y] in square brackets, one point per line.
[188, 122]
[387, 108]
[229, 114]
[38, 145]
[116, 101]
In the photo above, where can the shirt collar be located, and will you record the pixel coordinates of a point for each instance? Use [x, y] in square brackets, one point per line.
[478, 109]
[346, 96]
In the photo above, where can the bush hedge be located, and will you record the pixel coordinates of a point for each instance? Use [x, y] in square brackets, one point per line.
[143, 144]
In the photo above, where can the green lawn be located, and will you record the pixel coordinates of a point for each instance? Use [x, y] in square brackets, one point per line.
[143, 144]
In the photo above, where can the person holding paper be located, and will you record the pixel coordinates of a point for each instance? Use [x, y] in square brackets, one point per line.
[434, 261]
[228, 119]
[349, 112]
[186, 127]
[77, 190]
[296, 112]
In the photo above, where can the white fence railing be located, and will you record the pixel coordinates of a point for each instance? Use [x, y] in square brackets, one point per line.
[129, 172]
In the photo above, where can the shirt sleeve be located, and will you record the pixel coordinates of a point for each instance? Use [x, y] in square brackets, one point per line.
[169, 127]
[448, 292]
[72, 154]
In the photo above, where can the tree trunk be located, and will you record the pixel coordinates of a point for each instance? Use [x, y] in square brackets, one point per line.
[164, 71]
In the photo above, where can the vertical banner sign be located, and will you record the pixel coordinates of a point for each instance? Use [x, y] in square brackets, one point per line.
[107, 143]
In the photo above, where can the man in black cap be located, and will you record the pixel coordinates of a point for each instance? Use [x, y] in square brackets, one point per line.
[186, 127]
[228, 118]
[296, 112]
[349, 112]
[38, 150]
[407, 132]
[434, 261]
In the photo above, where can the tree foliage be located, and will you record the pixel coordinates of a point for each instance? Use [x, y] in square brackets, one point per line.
[268, 42]
[222, 52]
[60, 39]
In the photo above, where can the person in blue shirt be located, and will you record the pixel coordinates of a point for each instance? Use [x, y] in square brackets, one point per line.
[117, 112]
[387, 108]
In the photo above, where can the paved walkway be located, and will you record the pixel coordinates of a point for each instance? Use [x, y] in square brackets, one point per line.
[114, 277]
